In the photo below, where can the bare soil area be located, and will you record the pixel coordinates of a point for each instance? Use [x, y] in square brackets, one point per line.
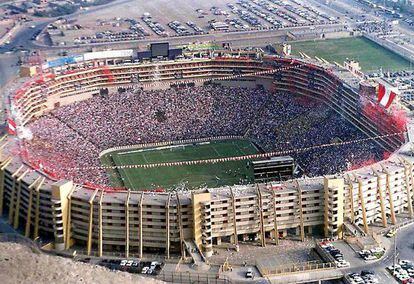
[18, 264]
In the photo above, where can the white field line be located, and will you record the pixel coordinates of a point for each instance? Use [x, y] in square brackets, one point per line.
[160, 148]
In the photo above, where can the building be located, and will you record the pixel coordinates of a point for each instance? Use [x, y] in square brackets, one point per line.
[98, 222]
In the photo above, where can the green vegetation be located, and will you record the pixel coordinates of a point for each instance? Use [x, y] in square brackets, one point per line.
[370, 55]
[191, 176]
[201, 46]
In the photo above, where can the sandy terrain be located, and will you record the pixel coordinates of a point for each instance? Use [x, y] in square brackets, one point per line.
[18, 264]
[288, 251]
[5, 25]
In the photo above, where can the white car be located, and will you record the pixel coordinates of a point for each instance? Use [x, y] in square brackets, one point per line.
[154, 265]
[400, 274]
[377, 250]
[370, 257]
[402, 277]
[396, 274]
[358, 279]
[392, 267]
[145, 270]
[370, 279]
[402, 271]
[326, 245]
[363, 252]
[404, 261]
[342, 263]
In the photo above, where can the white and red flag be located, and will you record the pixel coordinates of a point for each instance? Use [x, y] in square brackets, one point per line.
[386, 95]
[11, 126]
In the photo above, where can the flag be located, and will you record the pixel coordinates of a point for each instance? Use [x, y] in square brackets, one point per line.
[11, 126]
[386, 95]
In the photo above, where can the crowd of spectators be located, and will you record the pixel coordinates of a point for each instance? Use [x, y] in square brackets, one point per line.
[74, 135]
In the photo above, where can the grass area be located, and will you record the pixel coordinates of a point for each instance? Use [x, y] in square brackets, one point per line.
[370, 55]
[192, 176]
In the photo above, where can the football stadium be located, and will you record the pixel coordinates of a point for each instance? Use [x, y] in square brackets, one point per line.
[111, 153]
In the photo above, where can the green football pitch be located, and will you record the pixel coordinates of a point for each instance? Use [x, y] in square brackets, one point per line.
[370, 55]
[188, 176]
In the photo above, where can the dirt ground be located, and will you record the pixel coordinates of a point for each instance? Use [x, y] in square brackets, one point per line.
[5, 25]
[18, 264]
[288, 251]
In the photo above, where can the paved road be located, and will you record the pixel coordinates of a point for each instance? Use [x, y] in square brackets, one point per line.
[405, 250]
[238, 39]
[356, 9]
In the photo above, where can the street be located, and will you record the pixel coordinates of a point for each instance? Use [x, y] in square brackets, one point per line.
[404, 249]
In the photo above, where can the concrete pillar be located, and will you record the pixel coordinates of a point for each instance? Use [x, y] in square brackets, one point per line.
[37, 214]
[275, 229]
[127, 224]
[301, 226]
[18, 197]
[90, 232]
[233, 204]
[29, 208]
[261, 218]
[167, 226]
[351, 199]
[391, 197]
[362, 200]
[68, 240]
[100, 224]
[140, 226]
[407, 171]
[13, 193]
[180, 225]
[381, 198]
[3, 166]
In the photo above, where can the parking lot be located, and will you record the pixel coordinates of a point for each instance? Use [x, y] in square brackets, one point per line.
[365, 276]
[148, 268]
[403, 271]
[156, 19]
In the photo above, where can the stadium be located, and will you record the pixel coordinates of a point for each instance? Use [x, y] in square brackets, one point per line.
[116, 155]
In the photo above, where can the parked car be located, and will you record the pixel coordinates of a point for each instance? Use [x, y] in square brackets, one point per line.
[154, 265]
[249, 274]
[342, 263]
[391, 233]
